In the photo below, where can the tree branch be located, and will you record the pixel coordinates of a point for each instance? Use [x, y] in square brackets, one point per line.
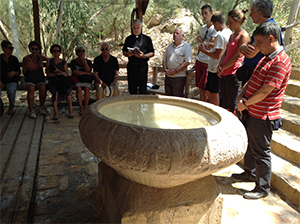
[101, 10]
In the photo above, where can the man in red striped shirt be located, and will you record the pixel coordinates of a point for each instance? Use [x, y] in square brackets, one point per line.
[262, 97]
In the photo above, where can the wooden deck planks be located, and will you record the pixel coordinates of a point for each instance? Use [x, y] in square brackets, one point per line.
[21, 141]
[9, 136]
[21, 213]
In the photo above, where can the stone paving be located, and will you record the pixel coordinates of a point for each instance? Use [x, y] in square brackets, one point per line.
[67, 175]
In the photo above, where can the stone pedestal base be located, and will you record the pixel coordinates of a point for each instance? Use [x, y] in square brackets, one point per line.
[125, 201]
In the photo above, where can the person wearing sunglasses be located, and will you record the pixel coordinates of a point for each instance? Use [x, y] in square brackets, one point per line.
[60, 83]
[82, 77]
[138, 48]
[106, 71]
[10, 72]
[35, 77]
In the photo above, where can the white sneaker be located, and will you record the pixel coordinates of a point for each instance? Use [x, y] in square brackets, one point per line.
[32, 114]
[42, 110]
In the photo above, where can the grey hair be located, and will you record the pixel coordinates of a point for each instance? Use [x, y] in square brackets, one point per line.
[265, 6]
[137, 21]
[178, 28]
[104, 43]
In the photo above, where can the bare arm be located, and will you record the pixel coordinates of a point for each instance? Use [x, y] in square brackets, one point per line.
[244, 38]
[116, 77]
[216, 54]
[25, 65]
[248, 49]
[260, 94]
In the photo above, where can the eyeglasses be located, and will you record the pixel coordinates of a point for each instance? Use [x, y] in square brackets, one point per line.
[104, 49]
[35, 49]
[79, 51]
[54, 51]
[10, 48]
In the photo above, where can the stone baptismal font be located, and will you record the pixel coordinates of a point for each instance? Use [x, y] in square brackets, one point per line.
[158, 155]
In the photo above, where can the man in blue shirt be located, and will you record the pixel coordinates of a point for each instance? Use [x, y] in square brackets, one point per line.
[261, 12]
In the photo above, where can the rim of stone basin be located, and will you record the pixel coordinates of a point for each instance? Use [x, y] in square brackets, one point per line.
[206, 109]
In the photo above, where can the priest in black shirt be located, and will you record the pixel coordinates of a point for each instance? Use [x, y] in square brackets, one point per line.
[138, 48]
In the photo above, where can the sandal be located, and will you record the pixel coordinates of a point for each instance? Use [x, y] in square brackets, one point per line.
[71, 115]
[55, 117]
[80, 113]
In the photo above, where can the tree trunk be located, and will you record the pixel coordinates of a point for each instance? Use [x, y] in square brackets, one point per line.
[14, 28]
[141, 5]
[36, 20]
[292, 18]
[59, 22]
[3, 30]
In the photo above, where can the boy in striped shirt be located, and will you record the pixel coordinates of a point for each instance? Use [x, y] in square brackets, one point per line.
[262, 97]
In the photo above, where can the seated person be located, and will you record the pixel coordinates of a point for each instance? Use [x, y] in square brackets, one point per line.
[82, 77]
[34, 77]
[60, 84]
[9, 73]
[106, 71]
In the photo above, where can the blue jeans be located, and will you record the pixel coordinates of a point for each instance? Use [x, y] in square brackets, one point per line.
[11, 89]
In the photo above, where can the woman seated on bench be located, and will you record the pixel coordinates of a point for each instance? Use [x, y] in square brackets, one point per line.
[34, 77]
[9, 73]
[60, 83]
[82, 77]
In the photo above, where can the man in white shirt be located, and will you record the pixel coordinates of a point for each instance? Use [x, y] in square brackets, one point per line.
[213, 81]
[206, 38]
[177, 57]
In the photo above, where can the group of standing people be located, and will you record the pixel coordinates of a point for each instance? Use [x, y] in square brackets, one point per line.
[260, 65]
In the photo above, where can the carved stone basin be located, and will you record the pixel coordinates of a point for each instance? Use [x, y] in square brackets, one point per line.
[162, 141]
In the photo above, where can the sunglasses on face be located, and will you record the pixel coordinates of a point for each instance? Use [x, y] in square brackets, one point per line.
[34, 49]
[54, 51]
[104, 49]
[79, 51]
[10, 48]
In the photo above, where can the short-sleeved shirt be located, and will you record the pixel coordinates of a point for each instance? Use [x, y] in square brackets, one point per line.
[12, 65]
[106, 70]
[220, 43]
[143, 42]
[174, 56]
[77, 67]
[251, 62]
[206, 34]
[273, 70]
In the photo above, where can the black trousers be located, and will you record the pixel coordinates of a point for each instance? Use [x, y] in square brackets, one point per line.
[137, 76]
[257, 161]
[230, 89]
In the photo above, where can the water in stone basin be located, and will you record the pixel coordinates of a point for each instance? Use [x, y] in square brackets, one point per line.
[157, 115]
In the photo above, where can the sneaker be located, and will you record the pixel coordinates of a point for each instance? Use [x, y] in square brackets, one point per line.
[55, 117]
[10, 111]
[42, 110]
[243, 177]
[32, 114]
[255, 194]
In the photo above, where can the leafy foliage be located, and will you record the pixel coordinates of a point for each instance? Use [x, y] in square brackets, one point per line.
[113, 23]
